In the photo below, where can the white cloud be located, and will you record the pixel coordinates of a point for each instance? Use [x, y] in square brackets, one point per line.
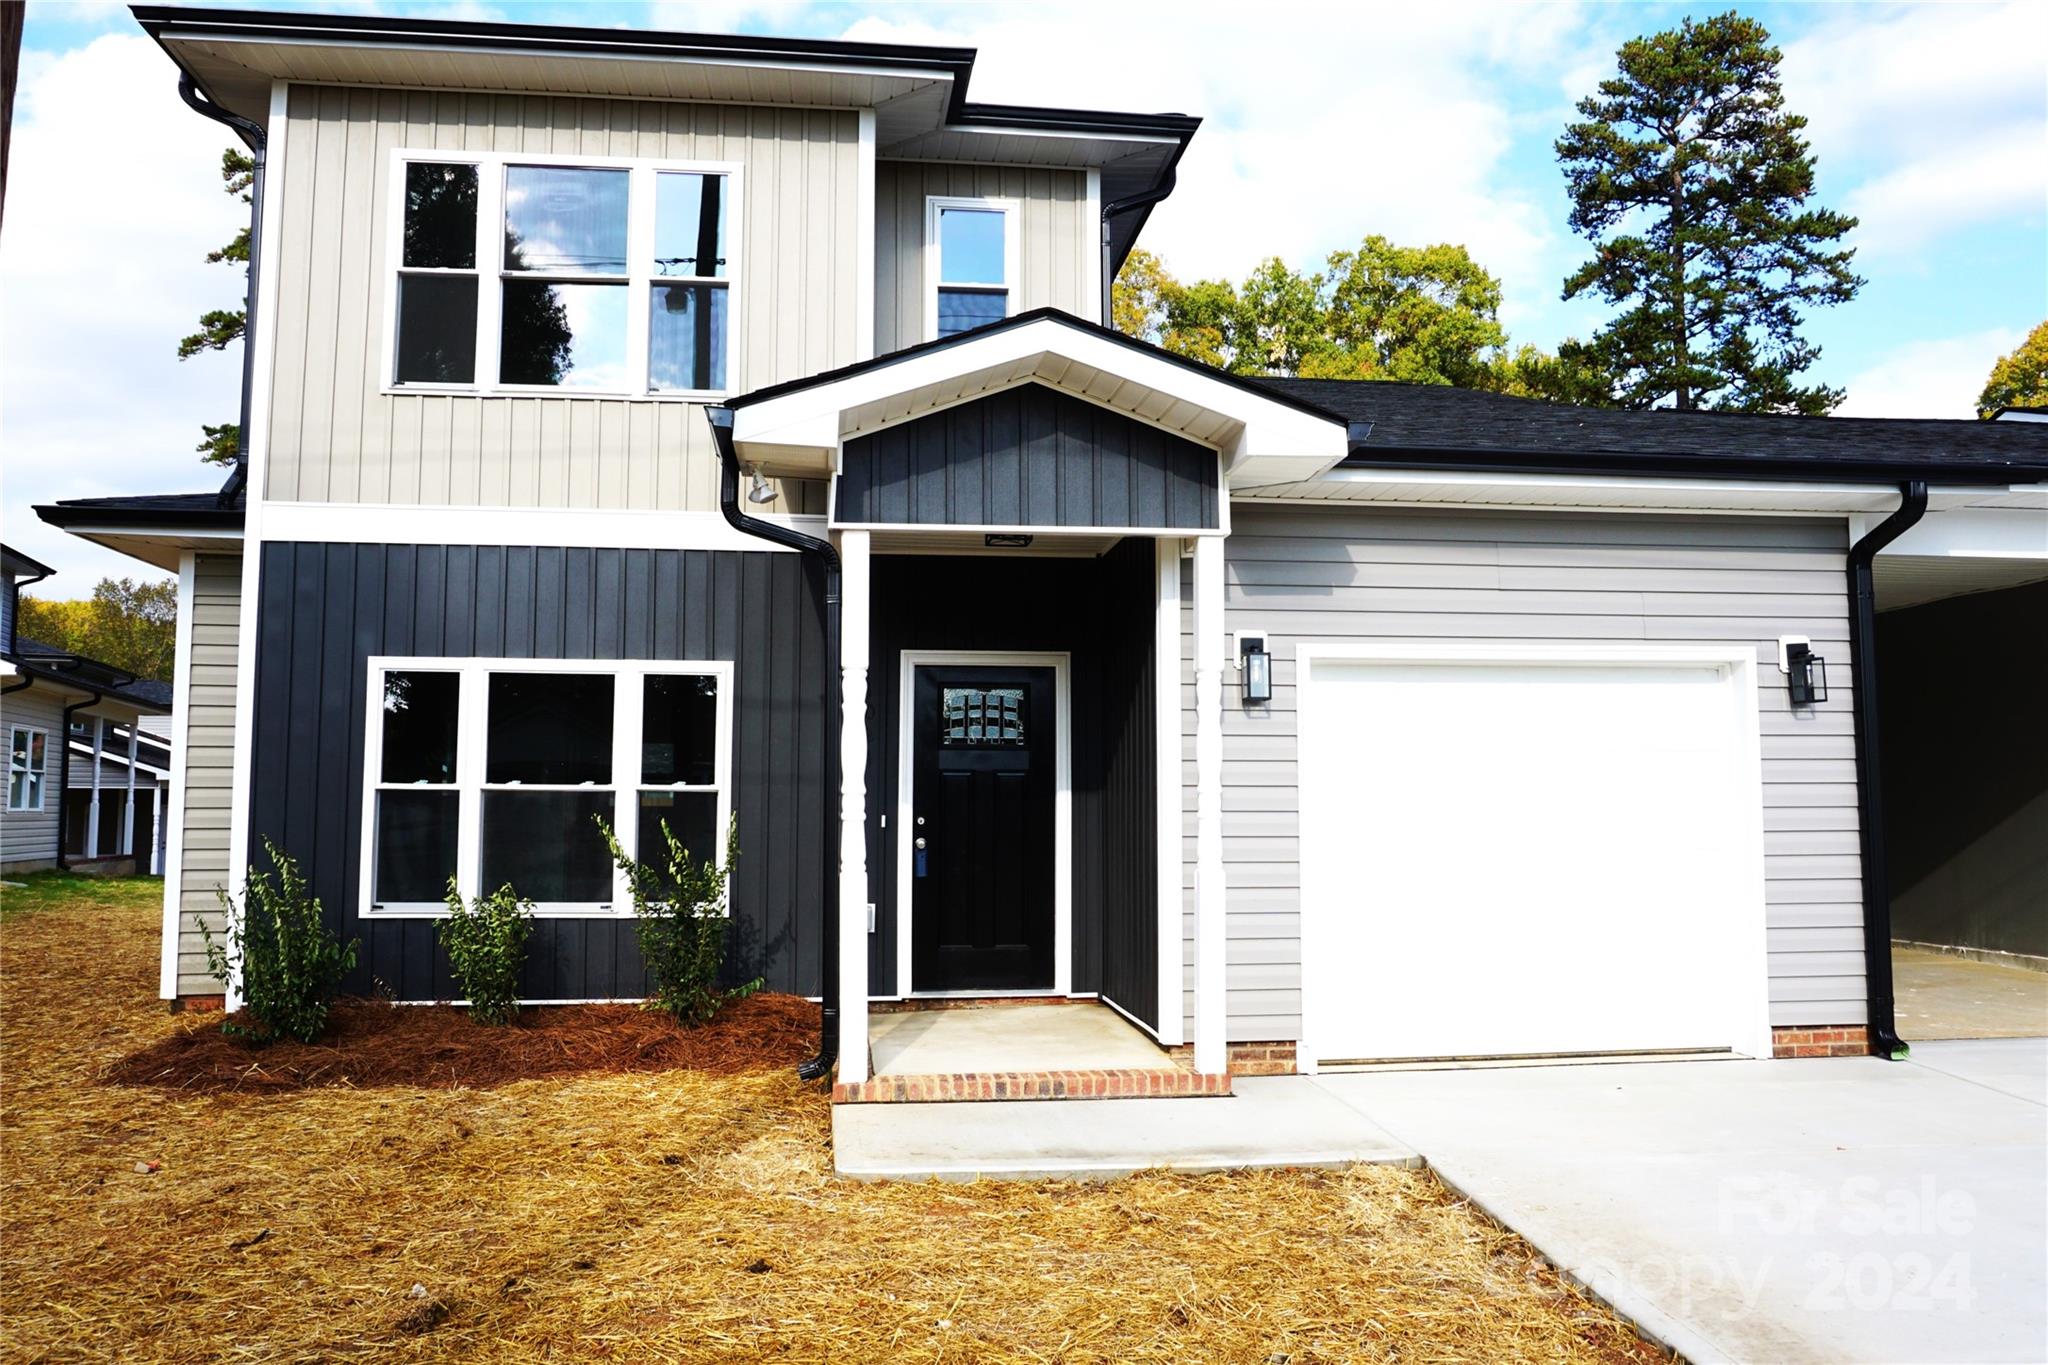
[1935, 377]
[1936, 116]
[113, 201]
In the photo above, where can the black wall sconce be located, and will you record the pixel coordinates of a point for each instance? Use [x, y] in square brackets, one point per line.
[1257, 665]
[1806, 673]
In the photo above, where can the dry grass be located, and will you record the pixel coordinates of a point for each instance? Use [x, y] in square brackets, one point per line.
[672, 1215]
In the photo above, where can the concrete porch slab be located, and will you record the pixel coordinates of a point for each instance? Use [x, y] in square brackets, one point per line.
[1076, 1036]
[1273, 1121]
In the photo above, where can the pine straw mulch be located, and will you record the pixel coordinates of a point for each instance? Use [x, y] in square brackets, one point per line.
[374, 1043]
[677, 1215]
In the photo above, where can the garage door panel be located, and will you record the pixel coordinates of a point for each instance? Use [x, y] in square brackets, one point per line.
[1530, 857]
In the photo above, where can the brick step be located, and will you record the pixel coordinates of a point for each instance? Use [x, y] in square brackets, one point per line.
[1148, 1084]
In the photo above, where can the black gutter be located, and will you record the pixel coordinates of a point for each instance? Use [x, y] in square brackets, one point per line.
[14, 586]
[1116, 208]
[258, 141]
[64, 773]
[1771, 468]
[828, 559]
[1882, 1022]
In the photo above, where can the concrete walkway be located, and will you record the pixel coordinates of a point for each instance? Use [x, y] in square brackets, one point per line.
[1941, 995]
[1269, 1121]
[1848, 1209]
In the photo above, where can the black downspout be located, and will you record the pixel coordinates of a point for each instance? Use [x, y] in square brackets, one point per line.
[64, 773]
[1877, 893]
[254, 136]
[828, 559]
[14, 587]
[1116, 208]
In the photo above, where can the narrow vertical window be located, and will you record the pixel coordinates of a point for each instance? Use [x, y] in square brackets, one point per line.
[973, 266]
[418, 816]
[679, 778]
[437, 278]
[688, 312]
[565, 276]
[27, 764]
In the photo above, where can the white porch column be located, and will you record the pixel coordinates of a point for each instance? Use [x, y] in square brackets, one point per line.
[853, 807]
[127, 848]
[92, 818]
[1211, 1053]
[156, 829]
[1166, 655]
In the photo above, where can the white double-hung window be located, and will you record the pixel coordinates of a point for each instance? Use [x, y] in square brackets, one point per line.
[28, 756]
[970, 255]
[594, 275]
[495, 772]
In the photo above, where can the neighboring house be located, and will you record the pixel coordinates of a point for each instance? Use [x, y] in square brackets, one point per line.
[1300, 722]
[70, 722]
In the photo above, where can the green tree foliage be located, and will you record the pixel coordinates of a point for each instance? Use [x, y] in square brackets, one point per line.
[2019, 380]
[485, 940]
[220, 328]
[1693, 181]
[680, 917]
[1424, 315]
[291, 963]
[131, 625]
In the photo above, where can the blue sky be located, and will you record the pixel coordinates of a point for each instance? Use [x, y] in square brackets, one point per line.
[1323, 123]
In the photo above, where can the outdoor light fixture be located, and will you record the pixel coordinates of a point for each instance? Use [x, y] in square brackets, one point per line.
[760, 491]
[1004, 540]
[1257, 665]
[1806, 673]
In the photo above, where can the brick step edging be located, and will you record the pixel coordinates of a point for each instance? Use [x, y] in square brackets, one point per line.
[1032, 1085]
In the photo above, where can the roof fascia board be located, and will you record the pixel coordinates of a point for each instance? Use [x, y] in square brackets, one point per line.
[1621, 463]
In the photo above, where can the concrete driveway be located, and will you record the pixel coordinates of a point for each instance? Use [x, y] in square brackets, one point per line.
[1847, 1209]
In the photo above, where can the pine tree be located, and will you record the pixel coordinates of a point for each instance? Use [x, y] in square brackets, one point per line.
[1694, 183]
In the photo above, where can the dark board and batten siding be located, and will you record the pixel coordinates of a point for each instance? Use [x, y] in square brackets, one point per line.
[326, 609]
[1029, 456]
[1100, 612]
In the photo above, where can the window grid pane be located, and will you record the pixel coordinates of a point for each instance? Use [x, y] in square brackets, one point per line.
[566, 220]
[545, 845]
[689, 225]
[551, 729]
[440, 215]
[563, 335]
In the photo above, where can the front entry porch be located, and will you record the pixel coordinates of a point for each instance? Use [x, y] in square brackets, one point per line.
[1047, 1048]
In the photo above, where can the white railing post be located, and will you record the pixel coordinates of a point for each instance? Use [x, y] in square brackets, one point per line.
[127, 849]
[92, 817]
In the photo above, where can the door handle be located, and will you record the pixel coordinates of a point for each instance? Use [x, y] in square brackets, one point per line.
[920, 842]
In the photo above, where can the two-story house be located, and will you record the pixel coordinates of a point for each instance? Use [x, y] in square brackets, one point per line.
[649, 426]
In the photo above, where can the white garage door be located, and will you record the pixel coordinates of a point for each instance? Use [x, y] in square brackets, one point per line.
[1533, 855]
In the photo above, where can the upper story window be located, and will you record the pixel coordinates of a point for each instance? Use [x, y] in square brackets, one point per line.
[27, 763]
[970, 263]
[599, 276]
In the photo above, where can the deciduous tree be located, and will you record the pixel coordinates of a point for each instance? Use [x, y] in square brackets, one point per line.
[131, 625]
[2019, 380]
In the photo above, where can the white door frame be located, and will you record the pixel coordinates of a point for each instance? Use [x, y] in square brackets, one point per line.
[1062, 810]
[1321, 977]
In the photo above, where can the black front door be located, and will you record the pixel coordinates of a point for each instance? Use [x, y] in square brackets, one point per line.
[983, 746]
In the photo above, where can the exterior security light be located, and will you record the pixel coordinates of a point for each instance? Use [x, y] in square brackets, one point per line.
[1005, 540]
[760, 491]
[1257, 665]
[1806, 673]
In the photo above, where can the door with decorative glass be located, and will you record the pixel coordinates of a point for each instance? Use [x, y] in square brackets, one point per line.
[984, 748]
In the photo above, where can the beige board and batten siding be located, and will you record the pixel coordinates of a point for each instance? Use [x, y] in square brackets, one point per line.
[1058, 241]
[209, 736]
[337, 436]
[1415, 577]
[28, 838]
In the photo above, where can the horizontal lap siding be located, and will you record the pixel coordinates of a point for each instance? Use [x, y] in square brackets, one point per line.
[1030, 456]
[328, 608]
[209, 723]
[335, 437]
[1056, 240]
[1392, 576]
[30, 836]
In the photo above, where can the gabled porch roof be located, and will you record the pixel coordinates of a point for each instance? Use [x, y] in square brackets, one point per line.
[796, 429]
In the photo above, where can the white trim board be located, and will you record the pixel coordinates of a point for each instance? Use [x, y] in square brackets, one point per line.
[1735, 794]
[1060, 661]
[374, 524]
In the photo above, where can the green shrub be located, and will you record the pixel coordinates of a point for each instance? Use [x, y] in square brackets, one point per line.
[486, 943]
[291, 963]
[679, 915]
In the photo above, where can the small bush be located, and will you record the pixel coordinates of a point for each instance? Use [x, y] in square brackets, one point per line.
[291, 962]
[486, 943]
[679, 916]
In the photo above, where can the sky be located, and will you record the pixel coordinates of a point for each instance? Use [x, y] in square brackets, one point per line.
[1423, 122]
